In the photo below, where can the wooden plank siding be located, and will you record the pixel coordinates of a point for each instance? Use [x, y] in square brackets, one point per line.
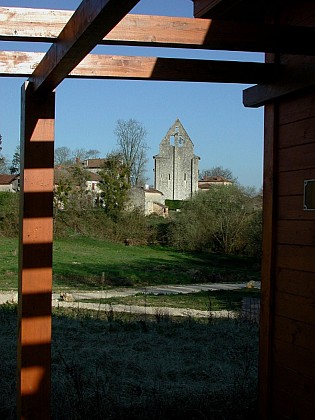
[292, 283]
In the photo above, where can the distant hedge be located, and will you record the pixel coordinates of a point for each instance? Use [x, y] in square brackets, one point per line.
[174, 204]
[9, 214]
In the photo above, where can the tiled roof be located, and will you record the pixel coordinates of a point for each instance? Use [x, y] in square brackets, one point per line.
[152, 190]
[63, 173]
[214, 179]
[94, 163]
[7, 179]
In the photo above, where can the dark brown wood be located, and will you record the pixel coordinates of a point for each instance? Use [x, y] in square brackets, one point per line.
[293, 82]
[268, 261]
[95, 66]
[295, 332]
[295, 358]
[297, 109]
[291, 208]
[298, 132]
[231, 9]
[35, 255]
[296, 258]
[287, 404]
[299, 283]
[297, 157]
[298, 308]
[87, 26]
[296, 232]
[299, 75]
[291, 183]
[38, 25]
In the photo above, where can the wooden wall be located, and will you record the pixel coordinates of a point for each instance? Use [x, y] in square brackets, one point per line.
[287, 369]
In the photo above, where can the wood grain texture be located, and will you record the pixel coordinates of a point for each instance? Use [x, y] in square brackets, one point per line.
[291, 208]
[299, 283]
[294, 396]
[38, 25]
[296, 257]
[296, 232]
[298, 359]
[86, 27]
[291, 183]
[297, 132]
[298, 308]
[295, 332]
[95, 66]
[297, 157]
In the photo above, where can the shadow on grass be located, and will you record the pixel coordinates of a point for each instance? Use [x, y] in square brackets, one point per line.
[180, 269]
[88, 263]
[142, 368]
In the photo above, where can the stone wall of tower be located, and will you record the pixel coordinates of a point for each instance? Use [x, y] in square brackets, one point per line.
[176, 166]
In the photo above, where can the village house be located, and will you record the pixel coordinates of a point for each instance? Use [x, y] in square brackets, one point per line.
[93, 165]
[9, 183]
[148, 200]
[205, 183]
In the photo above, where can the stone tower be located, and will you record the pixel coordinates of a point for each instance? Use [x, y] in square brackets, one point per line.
[176, 166]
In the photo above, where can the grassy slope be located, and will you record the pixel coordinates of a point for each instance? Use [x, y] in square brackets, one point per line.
[83, 263]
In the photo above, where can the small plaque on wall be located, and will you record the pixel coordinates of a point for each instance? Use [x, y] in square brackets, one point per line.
[309, 194]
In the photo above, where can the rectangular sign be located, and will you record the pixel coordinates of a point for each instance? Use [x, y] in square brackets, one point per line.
[309, 194]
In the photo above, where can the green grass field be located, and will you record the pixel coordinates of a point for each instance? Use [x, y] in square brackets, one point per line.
[82, 263]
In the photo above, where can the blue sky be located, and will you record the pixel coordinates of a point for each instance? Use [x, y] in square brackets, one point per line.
[223, 131]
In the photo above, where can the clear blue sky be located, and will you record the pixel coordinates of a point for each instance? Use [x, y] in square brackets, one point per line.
[223, 131]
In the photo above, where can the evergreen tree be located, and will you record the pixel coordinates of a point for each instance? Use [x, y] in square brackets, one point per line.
[15, 164]
[114, 185]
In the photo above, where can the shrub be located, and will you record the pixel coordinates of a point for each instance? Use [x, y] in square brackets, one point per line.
[9, 214]
[221, 219]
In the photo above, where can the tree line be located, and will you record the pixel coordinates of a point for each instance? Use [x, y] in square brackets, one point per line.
[225, 219]
[131, 148]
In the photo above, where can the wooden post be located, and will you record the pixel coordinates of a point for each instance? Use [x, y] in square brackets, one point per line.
[35, 255]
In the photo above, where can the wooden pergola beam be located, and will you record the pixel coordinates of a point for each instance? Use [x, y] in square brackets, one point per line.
[292, 81]
[41, 25]
[86, 27]
[95, 66]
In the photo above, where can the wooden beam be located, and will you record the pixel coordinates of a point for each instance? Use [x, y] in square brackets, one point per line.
[96, 66]
[291, 82]
[86, 27]
[35, 256]
[251, 10]
[38, 25]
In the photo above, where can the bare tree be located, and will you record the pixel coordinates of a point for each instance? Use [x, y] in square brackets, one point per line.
[220, 172]
[92, 154]
[3, 161]
[131, 135]
[82, 154]
[63, 156]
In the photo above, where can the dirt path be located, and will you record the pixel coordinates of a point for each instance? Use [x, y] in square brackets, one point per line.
[74, 300]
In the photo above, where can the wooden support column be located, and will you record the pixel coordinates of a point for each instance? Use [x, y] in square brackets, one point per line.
[35, 255]
[268, 260]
